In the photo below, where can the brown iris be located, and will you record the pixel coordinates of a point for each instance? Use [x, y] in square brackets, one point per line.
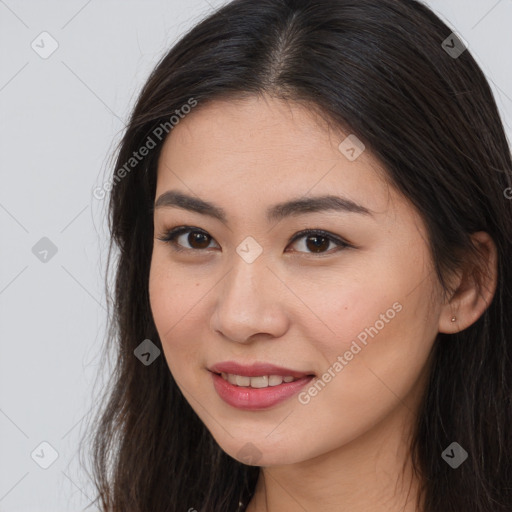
[201, 239]
[319, 243]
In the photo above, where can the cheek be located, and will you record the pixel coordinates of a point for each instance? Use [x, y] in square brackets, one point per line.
[175, 292]
[175, 300]
[346, 305]
[374, 336]
[373, 364]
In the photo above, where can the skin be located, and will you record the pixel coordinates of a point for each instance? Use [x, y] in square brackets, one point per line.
[348, 446]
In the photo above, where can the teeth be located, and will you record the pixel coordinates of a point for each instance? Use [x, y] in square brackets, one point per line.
[263, 381]
[259, 382]
[275, 380]
[242, 381]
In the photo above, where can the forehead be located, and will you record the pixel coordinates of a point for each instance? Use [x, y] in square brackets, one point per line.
[262, 149]
[261, 125]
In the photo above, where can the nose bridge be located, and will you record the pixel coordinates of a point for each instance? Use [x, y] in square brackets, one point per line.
[245, 288]
[248, 302]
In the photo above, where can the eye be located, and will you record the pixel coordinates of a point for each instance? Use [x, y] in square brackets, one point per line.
[315, 240]
[197, 238]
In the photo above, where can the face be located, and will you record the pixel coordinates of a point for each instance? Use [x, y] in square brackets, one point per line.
[348, 309]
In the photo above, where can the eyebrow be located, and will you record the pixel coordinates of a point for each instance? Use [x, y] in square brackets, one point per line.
[275, 213]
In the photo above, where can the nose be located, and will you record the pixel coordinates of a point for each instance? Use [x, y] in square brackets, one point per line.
[250, 303]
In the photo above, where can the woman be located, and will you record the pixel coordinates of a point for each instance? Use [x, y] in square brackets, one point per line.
[312, 295]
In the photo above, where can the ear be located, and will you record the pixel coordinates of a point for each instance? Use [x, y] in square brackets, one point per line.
[474, 288]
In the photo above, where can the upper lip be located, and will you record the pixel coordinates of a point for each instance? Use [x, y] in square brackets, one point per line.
[256, 370]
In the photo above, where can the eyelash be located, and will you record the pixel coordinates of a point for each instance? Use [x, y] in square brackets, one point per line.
[170, 236]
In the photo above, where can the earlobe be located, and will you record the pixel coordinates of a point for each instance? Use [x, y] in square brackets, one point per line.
[475, 289]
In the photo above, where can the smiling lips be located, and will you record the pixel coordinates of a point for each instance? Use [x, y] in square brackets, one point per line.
[257, 386]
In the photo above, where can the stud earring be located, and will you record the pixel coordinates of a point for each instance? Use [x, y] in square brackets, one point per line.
[454, 318]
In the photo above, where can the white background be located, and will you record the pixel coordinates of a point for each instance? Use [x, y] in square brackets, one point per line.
[59, 120]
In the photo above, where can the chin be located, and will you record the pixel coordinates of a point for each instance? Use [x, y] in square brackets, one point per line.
[254, 452]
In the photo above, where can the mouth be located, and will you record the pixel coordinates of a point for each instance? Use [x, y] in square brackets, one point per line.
[258, 386]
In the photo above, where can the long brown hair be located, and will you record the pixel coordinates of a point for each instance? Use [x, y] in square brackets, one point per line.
[381, 68]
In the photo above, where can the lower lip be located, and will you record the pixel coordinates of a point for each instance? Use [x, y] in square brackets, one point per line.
[257, 398]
